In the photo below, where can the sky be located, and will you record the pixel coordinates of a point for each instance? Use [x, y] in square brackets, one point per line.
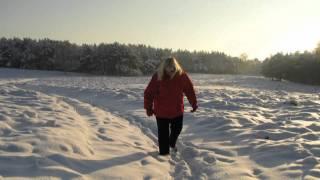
[258, 28]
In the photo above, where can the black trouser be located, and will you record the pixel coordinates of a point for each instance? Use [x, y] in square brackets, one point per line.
[168, 132]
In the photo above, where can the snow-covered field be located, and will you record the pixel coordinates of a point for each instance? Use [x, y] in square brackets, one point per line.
[62, 125]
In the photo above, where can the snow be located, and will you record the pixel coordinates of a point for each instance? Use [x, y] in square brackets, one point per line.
[65, 125]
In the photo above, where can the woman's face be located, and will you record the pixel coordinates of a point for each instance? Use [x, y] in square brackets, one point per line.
[170, 70]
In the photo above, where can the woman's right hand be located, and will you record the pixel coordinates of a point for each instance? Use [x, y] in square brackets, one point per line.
[149, 112]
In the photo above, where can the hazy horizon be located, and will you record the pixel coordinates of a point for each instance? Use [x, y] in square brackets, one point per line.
[258, 28]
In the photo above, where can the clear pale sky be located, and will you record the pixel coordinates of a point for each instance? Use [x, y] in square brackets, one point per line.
[256, 27]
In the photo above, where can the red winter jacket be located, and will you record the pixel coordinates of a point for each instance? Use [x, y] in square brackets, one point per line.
[165, 96]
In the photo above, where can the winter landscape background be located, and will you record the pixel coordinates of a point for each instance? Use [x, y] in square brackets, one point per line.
[73, 74]
[65, 125]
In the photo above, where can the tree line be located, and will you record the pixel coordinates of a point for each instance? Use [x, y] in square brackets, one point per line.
[114, 58]
[122, 59]
[302, 67]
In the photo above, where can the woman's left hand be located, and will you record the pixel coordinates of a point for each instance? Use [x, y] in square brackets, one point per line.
[194, 108]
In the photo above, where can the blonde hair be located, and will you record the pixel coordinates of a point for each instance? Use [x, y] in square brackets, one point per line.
[170, 61]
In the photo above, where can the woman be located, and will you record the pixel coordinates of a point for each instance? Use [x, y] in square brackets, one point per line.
[163, 97]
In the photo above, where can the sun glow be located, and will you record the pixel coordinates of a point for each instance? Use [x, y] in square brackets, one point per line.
[301, 39]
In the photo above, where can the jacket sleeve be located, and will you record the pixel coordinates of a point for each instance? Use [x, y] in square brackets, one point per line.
[189, 91]
[150, 92]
